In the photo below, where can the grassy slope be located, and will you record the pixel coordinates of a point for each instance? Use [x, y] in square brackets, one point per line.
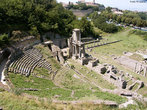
[48, 56]
[130, 43]
[93, 76]
[10, 101]
[63, 84]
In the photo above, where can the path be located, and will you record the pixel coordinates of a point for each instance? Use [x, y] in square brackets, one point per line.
[129, 102]
[2, 65]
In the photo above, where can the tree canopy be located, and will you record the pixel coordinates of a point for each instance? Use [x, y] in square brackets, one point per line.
[100, 22]
[36, 16]
[136, 18]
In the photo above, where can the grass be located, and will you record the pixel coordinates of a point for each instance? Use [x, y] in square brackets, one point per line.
[46, 87]
[135, 87]
[9, 101]
[143, 91]
[69, 81]
[66, 84]
[130, 42]
[136, 57]
[48, 56]
[93, 76]
[43, 72]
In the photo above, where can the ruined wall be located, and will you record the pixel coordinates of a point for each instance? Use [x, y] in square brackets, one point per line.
[62, 43]
[87, 39]
[1, 55]
[26, 42]
[57, 39]
[58, 54]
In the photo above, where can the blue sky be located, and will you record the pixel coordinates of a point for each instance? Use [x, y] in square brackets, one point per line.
[121, 4]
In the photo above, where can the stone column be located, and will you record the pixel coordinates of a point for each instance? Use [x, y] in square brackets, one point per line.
[75, 50]
[79, 52]
[145, 71]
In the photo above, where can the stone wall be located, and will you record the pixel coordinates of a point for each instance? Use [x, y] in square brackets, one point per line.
[58, 53]
[1, 55]
[26, 42]
[81, 12]
[87, 39]
[57, 39]
[62, 43]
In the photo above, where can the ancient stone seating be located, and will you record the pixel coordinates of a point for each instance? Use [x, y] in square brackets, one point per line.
[44, 64]
[27, 62]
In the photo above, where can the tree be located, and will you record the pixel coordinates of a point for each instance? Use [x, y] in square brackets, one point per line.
[123, 19]
[128, 20]
[84, 25]
[108, 9]
[35, 15]
[118, 19]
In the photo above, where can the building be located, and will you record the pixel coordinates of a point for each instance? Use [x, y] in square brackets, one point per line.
[93, 1]
[81, 1]
[116, 11]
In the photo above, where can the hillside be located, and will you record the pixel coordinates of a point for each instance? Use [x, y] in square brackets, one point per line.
[50, 60]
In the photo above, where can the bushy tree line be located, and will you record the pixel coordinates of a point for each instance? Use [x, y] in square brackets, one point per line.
[100, 22]
[38, 17]
[137, 19]
[83, 6]
[3, 40]
[86, 27]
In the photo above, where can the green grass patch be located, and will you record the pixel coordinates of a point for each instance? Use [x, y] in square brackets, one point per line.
[143, 91]
[136, 57]
[46, 87]
[48, 56]
[130, 42]
[42, 71]
[135, 87]
[93, 76]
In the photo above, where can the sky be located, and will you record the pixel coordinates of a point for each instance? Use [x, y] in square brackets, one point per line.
[121, 4]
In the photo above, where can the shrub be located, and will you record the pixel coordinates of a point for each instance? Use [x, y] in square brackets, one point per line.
[4, 39]
[72, 67]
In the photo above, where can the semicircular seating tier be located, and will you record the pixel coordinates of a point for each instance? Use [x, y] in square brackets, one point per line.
[27, 62]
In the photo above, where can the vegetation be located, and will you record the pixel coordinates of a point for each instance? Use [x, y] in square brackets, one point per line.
[65, 82]
[129, 43]
[3, 40]
[92, 75]
[86, 28]
[83, 6]
[99, 21]
[46, 88]
[129, 17]
[38, 17]
[9, 101]
[49, 57]
[35, 16]
[143, 34]
[136, 57]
